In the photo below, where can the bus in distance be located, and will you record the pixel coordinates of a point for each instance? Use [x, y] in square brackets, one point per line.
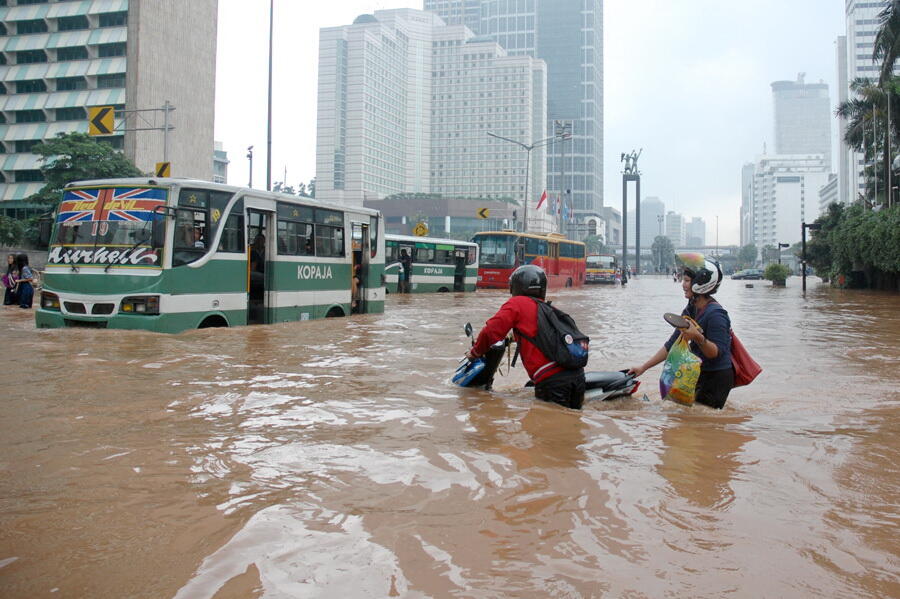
[601, 268]
[438, 265]
[174, 254]
[501, 252]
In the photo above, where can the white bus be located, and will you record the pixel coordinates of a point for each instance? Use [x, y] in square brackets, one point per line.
[438, 265]
[174, 254]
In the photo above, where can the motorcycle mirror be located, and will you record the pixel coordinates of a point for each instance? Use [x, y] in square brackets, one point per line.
[468, 329]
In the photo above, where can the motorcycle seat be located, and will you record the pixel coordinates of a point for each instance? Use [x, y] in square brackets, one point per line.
[604, 379]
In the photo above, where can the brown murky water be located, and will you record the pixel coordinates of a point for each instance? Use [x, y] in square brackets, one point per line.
[334, 459]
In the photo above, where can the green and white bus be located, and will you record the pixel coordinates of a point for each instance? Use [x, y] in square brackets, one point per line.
[174, 254]
[437, 264]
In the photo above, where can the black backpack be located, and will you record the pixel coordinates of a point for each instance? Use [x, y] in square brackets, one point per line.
[558, 337]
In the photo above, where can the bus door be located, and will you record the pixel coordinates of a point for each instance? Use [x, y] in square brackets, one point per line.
[459, 275]
[359, 272]
[553, 254]
[259, 275]
[406, 254]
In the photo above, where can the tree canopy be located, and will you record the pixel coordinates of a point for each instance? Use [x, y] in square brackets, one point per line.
[74, 157]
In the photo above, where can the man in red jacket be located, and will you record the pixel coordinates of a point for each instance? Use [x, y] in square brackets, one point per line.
[520, 313]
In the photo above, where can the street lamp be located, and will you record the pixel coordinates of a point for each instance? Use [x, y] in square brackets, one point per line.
[528, 148]
[250, 157]
[803, 228]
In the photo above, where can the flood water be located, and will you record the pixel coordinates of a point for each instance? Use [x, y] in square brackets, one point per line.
[334, 459]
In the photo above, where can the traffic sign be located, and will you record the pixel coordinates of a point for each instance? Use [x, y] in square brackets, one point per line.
[163, 169]
[484, 213]
[420, 230]
[101, 120]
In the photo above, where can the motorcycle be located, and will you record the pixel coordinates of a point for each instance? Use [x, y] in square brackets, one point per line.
[598, 385]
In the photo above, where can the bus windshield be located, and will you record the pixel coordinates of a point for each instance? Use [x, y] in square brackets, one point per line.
[106, 226]
[601, 262]
[497, 250]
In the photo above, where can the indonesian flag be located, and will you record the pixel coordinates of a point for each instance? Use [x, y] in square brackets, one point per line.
[541, 201]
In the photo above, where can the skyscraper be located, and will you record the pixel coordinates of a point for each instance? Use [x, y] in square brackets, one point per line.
[862, 27]
[785, 193]
[405, 106]
[747, 234]
[653, 212]
[61, 57]
[568, 36]
[695, 232]
[802, 118]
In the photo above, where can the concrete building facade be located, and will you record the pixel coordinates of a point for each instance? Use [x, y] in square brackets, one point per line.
[61, 57]
[695, 232]
[675, 230]
[802, 118]
[747, 172]
[862, 27]
[568, 36]
[405, 106]
[786, 193]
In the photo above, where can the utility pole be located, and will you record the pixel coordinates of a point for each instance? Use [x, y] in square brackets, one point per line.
[269, 139]
[250, 157]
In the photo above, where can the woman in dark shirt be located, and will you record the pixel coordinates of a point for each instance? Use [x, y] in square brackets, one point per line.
[711, 342]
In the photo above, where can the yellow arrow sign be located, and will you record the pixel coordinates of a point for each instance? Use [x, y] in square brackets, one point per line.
[420, 230]
[484, 213]
[163, 169]
[101, 120]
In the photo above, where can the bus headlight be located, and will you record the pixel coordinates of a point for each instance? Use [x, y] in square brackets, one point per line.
[49, 301]
[140, 304]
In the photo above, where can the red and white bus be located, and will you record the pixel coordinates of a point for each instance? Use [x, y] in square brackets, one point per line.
[501, 252]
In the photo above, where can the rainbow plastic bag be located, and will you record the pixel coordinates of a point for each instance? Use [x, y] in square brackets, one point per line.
[681, 370]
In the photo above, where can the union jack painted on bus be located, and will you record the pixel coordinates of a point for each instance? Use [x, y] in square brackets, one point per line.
[110, 204]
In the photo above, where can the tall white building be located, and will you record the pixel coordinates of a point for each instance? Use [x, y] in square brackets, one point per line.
[695, 232]
[675, 230]
[843, 93]
[653, 214]
[60, 57]
[747, 172]
[786, 193]
[862, 27]
[568, 36]
[802, 118]
[405, 106]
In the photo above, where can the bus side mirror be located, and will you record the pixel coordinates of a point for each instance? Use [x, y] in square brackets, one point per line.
[158, 232]
[45, 228]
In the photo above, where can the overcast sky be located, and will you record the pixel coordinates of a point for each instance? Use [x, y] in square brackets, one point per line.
[686, 80]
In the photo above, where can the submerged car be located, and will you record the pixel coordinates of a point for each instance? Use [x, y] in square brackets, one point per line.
[748, 273]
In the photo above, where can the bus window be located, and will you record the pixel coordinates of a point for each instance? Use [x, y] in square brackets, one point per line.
[390, 252]
[424, 253]
[472, 255]
[190, 236]
[232, 239]
[329, 241]
[535, 247]
[373, 235]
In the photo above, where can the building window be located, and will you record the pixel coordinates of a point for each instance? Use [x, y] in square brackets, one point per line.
[31, 26]
[110, 81]
[24, 2]
[65, 84]
[31, 56]
[72, 23]
[25, 145]
[71, 53]
[30, 86]
[74, 113]
[29, 116]
[113, 19]
[116, 142]
[107, 50]
[29, 176]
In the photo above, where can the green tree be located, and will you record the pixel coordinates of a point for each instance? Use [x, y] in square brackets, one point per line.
[777, 273]
[11, 232]
[595, 245]
[74, 157]
[887, 40]
[747, 255]
[311, 188]
[663, 253]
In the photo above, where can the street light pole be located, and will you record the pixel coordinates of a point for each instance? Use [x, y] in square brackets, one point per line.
[528, 148]
[782, 245]
[250, 156]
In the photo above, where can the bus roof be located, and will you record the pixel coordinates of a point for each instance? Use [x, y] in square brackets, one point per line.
[547, 236]
[171, 181]
[414, 239]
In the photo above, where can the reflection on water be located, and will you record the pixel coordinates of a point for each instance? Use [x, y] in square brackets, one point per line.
[333, 458]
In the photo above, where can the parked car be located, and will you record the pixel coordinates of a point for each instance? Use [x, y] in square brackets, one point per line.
[748, 273]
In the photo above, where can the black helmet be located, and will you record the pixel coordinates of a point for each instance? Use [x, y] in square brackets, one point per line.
[528, 280]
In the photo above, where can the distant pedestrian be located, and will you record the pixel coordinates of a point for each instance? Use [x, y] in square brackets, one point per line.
[25, 290]
[9, 281]
[406, 276]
